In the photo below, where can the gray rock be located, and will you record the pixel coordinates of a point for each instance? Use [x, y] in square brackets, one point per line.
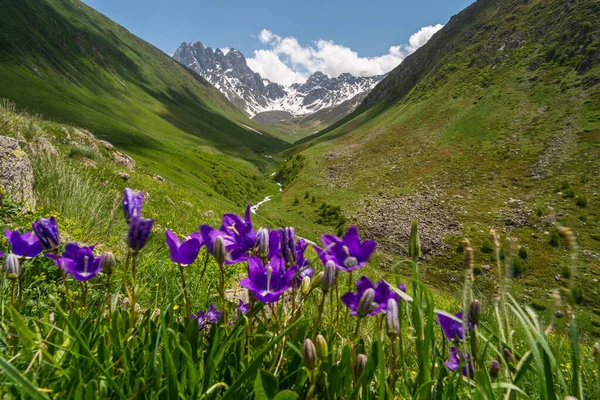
[159, 179]
[124, 160]
[16, 173]
[106, 145]
[83, 137]
[41, 145]
[123, 175]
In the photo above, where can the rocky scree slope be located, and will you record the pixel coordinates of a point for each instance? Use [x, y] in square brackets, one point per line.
[493, 124]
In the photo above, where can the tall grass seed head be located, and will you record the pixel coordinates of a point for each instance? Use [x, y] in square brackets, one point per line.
[12, 267]
[569, 237]
[309, 353]
[495, 239]
[469, 259]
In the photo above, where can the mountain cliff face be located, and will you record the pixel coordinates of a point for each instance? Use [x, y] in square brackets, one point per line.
[256, 96]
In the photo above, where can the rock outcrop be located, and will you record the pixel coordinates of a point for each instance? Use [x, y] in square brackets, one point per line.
[16, 173]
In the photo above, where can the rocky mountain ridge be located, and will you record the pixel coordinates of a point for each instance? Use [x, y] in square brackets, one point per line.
[229, 72]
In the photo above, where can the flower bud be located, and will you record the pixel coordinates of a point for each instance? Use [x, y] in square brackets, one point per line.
[474, 312]
[219, 251]
[108, 263]
[263, 242]
[12, 268]
[392, 324]
[328, 276]
[365, 304]
[310, 354]
[321, 346]
[510, 358]
[318, 279]
[414, 244]
[139, 231]
[494, 369]
[361, 363]
[305, 285]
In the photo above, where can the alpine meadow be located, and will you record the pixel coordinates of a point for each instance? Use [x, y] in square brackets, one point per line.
[296, 218]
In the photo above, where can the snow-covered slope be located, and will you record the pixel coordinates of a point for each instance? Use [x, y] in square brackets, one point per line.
[230, 73]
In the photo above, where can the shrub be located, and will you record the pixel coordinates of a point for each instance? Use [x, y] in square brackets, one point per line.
[313, 201]
[83, 151]
[460, 248]
[539, 211]
[517, 266]
[306, 195]
[565, 271]
[477, 270]
[578, 294]
[538, 306]
[523, 252]
[581, 201]
[554, 239]
[296, 201]
[487, 247]
[569, 193]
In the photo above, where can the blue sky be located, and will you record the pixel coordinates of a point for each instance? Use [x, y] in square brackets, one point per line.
[368, 28]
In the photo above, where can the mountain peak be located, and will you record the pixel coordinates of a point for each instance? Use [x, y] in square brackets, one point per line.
[229, 72]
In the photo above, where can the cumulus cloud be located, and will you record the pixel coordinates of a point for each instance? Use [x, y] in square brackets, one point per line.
[286, 61]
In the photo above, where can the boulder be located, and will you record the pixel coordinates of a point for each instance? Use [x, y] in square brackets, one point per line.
[123, 160]
[123, 175]
[41, 145]
[16, 173]
[159, 179]
[83, 137]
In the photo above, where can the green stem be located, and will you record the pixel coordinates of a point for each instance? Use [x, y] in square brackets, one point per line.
[64, 279]
[222, 283]
[393, 376]
[108, 297]
[320, 315]
[185, 296]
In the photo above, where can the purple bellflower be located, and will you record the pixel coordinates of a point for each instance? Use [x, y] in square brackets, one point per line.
[243, 307]
[183, 253]
[452, 326]
[25, 245]
[132, 204]
[348, 253]
[456, 358]
[46, 231]
[243, 234]
[206, 318]
[382, 294]
[80, 262]
[268, 282]
[139, 231]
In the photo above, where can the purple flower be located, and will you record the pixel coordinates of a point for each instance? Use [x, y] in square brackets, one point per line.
[139, 231]
[46, 231]
[382, 294]
[132, 204]
[243, 234]
[268, 282]
[183, 253]
[208, 236]
[243, 307]
[348, 253]
[456, 358]
[287, 244]
[402, 287]
[301, 263]
[452, 326]
[62, 261]
[207, 318]
[80, 262]
[1, 254]
[25, 245]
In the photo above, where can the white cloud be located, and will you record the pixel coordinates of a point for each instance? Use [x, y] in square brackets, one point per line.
[285, 61]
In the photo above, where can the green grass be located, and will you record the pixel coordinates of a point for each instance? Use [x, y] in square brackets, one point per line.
[473, 134]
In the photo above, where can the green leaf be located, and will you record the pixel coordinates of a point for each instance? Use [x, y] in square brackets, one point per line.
[269, 382]
[259, 389]
[256, 362]
[286, 395]
[21, 381]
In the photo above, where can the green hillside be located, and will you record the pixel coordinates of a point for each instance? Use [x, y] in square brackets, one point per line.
[71, 64]
[493, 124]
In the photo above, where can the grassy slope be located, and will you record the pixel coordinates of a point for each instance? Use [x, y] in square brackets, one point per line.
[64, 60]
[504, 88]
